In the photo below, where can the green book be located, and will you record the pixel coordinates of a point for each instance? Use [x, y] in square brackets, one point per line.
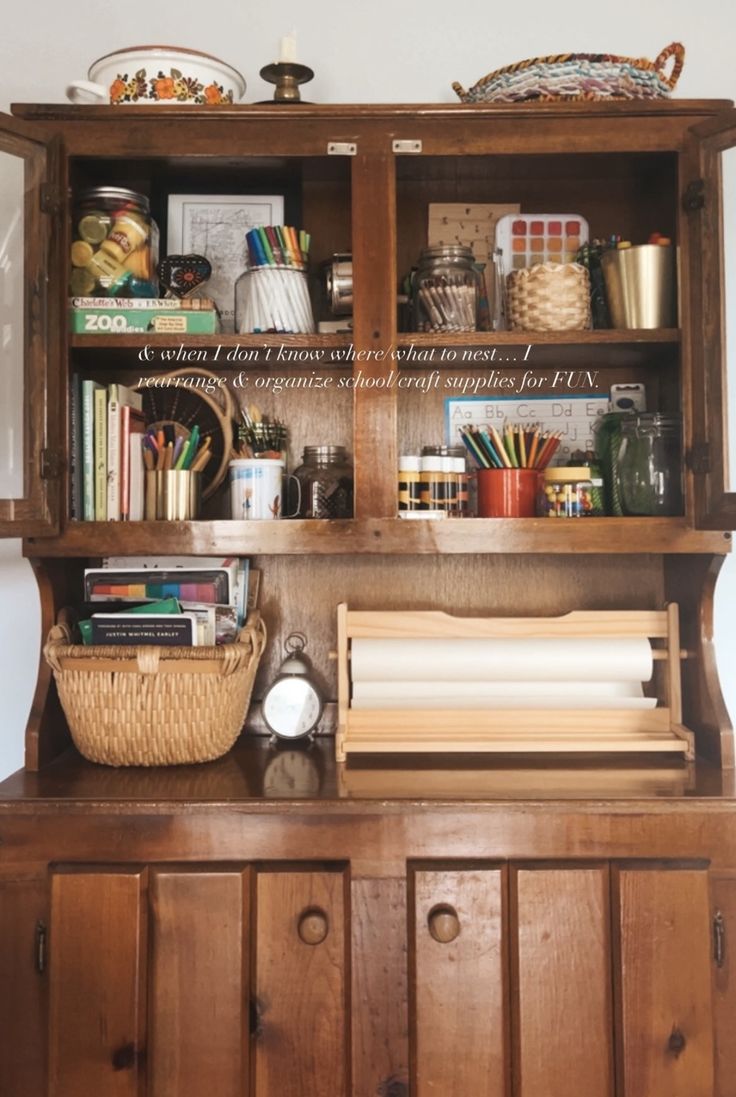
[100, 454]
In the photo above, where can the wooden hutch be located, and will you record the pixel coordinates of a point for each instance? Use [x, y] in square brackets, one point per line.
[278, 926]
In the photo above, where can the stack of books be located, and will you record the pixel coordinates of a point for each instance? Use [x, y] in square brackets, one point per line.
[107, 428]
[172, 600]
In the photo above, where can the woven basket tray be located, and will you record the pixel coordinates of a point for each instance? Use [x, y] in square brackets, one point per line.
[155, 706]
[579, 76]
[548, 297]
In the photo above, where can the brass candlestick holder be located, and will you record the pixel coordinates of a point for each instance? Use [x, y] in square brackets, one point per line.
[287, 76]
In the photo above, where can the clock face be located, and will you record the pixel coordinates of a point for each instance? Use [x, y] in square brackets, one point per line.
[292, 707]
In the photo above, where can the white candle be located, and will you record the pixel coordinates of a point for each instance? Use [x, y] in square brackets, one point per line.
[288, 49]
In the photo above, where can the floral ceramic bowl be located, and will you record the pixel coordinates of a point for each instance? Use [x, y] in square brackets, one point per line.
[161, 75]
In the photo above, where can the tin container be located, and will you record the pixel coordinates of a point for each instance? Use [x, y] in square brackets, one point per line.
[114, 251]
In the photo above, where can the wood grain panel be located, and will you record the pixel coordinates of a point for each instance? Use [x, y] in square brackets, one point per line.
[724, 997]
[23, 999]
[460, 1009]
[301, 1042]
[97, 990]
[303, 593]
[380, 1033]
[664, 999]
[199, 986]
[374, 282]
[562, 982]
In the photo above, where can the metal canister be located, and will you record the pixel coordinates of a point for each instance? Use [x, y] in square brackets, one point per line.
[338, 275]
[114, 250]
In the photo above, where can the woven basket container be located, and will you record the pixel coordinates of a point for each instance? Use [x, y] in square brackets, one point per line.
[579, 76]
[155, 706]
[548, 297]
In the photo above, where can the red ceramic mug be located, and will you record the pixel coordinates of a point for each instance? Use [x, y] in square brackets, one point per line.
[507, 493]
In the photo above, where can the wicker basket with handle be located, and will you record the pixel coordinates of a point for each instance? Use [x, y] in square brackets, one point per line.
[579, 76]
[548, 297]
[157, 705]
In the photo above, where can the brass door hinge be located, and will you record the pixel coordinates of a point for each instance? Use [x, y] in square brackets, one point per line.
[51, 464]
[698, 458]
[719, 939]
[50, 197]
[41, 943]
[694, 197]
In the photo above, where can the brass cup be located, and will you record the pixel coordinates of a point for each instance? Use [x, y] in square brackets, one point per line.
[640, 286]
[173, 495]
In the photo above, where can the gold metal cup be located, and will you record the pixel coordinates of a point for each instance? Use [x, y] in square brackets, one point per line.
[173, 495]
[640, 286]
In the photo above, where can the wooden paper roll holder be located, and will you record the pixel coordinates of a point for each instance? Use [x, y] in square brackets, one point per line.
[509, 731]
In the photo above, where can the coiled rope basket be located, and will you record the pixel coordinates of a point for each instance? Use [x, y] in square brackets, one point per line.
[579, 76]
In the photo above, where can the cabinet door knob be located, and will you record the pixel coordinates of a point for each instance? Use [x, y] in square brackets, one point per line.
[313, 926]
[444, 924]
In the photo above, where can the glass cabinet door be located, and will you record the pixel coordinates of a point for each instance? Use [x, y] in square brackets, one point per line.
[30, 465]
[709, 198]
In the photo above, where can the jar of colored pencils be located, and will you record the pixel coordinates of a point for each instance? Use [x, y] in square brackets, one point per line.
[507, 493]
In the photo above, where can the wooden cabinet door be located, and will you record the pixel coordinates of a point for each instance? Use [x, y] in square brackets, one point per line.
[97, 987]
[459, 977]
[708, 172]
[664, 996]
[301, 1046]
[23, 1006]
[724, 979]
[198, 1002]
[561, 981]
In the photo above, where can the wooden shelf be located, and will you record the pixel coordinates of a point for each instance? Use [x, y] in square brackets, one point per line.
[390, 536]
[219, 349]
[474, 349]
[527, 349]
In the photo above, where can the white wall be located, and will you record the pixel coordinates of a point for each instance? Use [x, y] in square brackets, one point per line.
[379, 51]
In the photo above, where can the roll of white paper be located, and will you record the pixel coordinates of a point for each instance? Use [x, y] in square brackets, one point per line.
[490, 691]
[502, 660]
[462, 696]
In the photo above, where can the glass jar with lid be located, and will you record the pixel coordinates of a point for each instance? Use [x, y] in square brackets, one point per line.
[573, 491]
[326, 480]
[650, 464]
[446, 290]
[114, 250]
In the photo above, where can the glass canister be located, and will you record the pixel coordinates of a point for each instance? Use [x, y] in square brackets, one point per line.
[446, 290]
[114, 251]
[571, 492]
[650, 464]
[326, 479]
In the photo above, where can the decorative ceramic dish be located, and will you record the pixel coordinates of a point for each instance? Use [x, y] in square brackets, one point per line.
[161, 75]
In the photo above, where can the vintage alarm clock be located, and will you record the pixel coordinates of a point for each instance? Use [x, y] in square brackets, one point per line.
[292, 705]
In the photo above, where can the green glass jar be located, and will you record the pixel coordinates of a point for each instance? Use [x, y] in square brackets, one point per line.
[650, 464]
